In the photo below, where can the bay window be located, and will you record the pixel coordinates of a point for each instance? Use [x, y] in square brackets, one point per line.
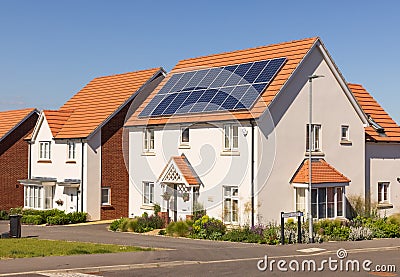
[327, 202]
[38, 197]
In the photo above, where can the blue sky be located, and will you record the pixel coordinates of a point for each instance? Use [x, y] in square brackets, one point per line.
[51, 49]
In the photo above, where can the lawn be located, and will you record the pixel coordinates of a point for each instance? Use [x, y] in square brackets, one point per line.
[31, 247]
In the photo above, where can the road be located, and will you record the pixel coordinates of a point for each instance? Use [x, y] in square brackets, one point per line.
[187, 257]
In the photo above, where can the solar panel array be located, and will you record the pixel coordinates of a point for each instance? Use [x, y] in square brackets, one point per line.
[233, 87]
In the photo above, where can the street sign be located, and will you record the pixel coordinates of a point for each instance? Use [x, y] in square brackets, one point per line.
[292, 214]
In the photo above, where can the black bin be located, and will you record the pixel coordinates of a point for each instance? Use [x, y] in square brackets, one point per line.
[15, 226]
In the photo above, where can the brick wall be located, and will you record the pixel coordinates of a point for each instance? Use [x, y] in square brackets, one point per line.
[14, 165]
[114, 172]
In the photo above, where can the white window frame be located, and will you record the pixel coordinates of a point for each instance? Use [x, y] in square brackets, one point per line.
[183, 129]
[316, 144]
[335, 202]
[44, 150]
[108, 202]
[148, 193]
[232, 198]
[346, 129]
[230, 139]
[383, 189]
[148, 140]
[301, 206]
[71, 151]
[38, 197]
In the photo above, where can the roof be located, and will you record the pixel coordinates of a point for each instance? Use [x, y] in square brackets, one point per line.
[184, 168]
[9, 120]
[294, 51]
[80, 116]
[322, 172]
[372, 108]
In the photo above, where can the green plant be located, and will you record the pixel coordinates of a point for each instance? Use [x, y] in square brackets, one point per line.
[4, 215]
[198, 211]
[57, 220]
[32, 219]
[17, 210]
[77, 217]
[383, 228]
[178, 228]
[208, 228]
[156, 208]
[394, 219]
[162, 232]
[115, 225]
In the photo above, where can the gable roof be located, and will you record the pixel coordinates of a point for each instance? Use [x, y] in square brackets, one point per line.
[180, 165]
[322, 172]
[9, 120]
[87, 110]
[391, 131]
[294, 51]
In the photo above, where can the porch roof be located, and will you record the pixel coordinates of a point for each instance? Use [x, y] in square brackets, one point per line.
[184, 170]
[322, 172]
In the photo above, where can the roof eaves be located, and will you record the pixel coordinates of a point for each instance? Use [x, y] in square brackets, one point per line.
[152, 78]
[19, 123]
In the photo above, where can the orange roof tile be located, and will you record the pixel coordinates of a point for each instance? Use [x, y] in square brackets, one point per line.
[56, 120]
[372, 108]
[96, 102]
[11, 119]
[186, 169]
[322, 172]
[294, 51]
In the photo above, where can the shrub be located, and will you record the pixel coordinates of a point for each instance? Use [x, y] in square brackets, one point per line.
[32, 219]
[383, 228]
[77, 217]
[208, 228]
[394, 219]
[4, 215]
[17, 210]
[115, 225]
[179, 229]
[360, 233]
[156, 208]
[162, 232]
[58, 220]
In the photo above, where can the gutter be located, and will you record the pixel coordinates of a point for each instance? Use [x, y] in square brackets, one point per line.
[252, 122]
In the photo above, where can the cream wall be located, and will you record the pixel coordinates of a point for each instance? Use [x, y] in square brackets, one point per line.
[383, 165]
[331, 109]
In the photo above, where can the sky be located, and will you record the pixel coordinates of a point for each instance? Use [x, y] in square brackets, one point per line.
[52, 49]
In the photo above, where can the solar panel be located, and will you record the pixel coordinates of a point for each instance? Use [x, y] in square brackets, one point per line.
[232, 87]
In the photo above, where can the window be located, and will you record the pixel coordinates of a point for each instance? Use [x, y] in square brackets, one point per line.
[71, 150]
[185, 135]
[315, 137]
[39, 197]
[301, 199]
[105, 196]
[148, 193]
[327, 202]
[44, 150]
[231, 204]
[231, 141]
[344, 133]
[383, 192]
[148, 145]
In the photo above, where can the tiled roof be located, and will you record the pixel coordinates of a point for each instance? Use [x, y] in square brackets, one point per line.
[56, 120]
[372, 108]
[96, 102]
[186, 169]
[294, 51]
[322, 172]
[11, 119]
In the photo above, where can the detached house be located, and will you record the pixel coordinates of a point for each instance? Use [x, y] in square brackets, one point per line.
[382, 155]
[77, 161]
[14, 127]
[229, 133]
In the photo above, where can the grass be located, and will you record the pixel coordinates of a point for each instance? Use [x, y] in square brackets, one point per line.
[30, 247]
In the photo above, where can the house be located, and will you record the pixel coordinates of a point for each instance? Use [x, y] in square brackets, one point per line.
[382, 155]
[77, 160]
[229, 133]
[14, 127]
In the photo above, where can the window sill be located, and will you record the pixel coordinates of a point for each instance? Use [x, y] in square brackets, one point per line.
[107, 206]
[315, 154]
[230, 153]
[385, 206]
[70, 162]
[346, 142]
[148, 154]
[44, 161]
[147, 207]
[184, 146]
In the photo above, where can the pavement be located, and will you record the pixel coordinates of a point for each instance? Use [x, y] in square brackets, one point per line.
[197, 257]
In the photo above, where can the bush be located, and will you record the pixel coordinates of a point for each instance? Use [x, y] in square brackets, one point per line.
[156, 208]
[208, 228]
[4, 215]
[394, 219]
[116, 224]
[383, 228]
[360, 233]
[77, 217]
[17, 210]
[179, 229]
[57, 220]
[141, 224]
[332, 229]
[32, 219]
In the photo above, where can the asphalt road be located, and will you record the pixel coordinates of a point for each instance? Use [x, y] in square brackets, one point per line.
[186, 257]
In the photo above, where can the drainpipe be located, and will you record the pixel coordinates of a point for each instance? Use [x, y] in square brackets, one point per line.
[82, 172]
[30, 160]
[252, 171]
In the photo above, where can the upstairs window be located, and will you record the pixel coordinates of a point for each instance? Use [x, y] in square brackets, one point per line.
[383, 192]
[71, 151]
[344, 136]
[231, 140]
[44, 150]
[315, 137]
[148, 143]
[185, 136]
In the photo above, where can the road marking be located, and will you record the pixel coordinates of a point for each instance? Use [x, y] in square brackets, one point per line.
[63, 274]
[310, 250]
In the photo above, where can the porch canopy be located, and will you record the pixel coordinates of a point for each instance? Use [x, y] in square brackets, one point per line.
[39, 181]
